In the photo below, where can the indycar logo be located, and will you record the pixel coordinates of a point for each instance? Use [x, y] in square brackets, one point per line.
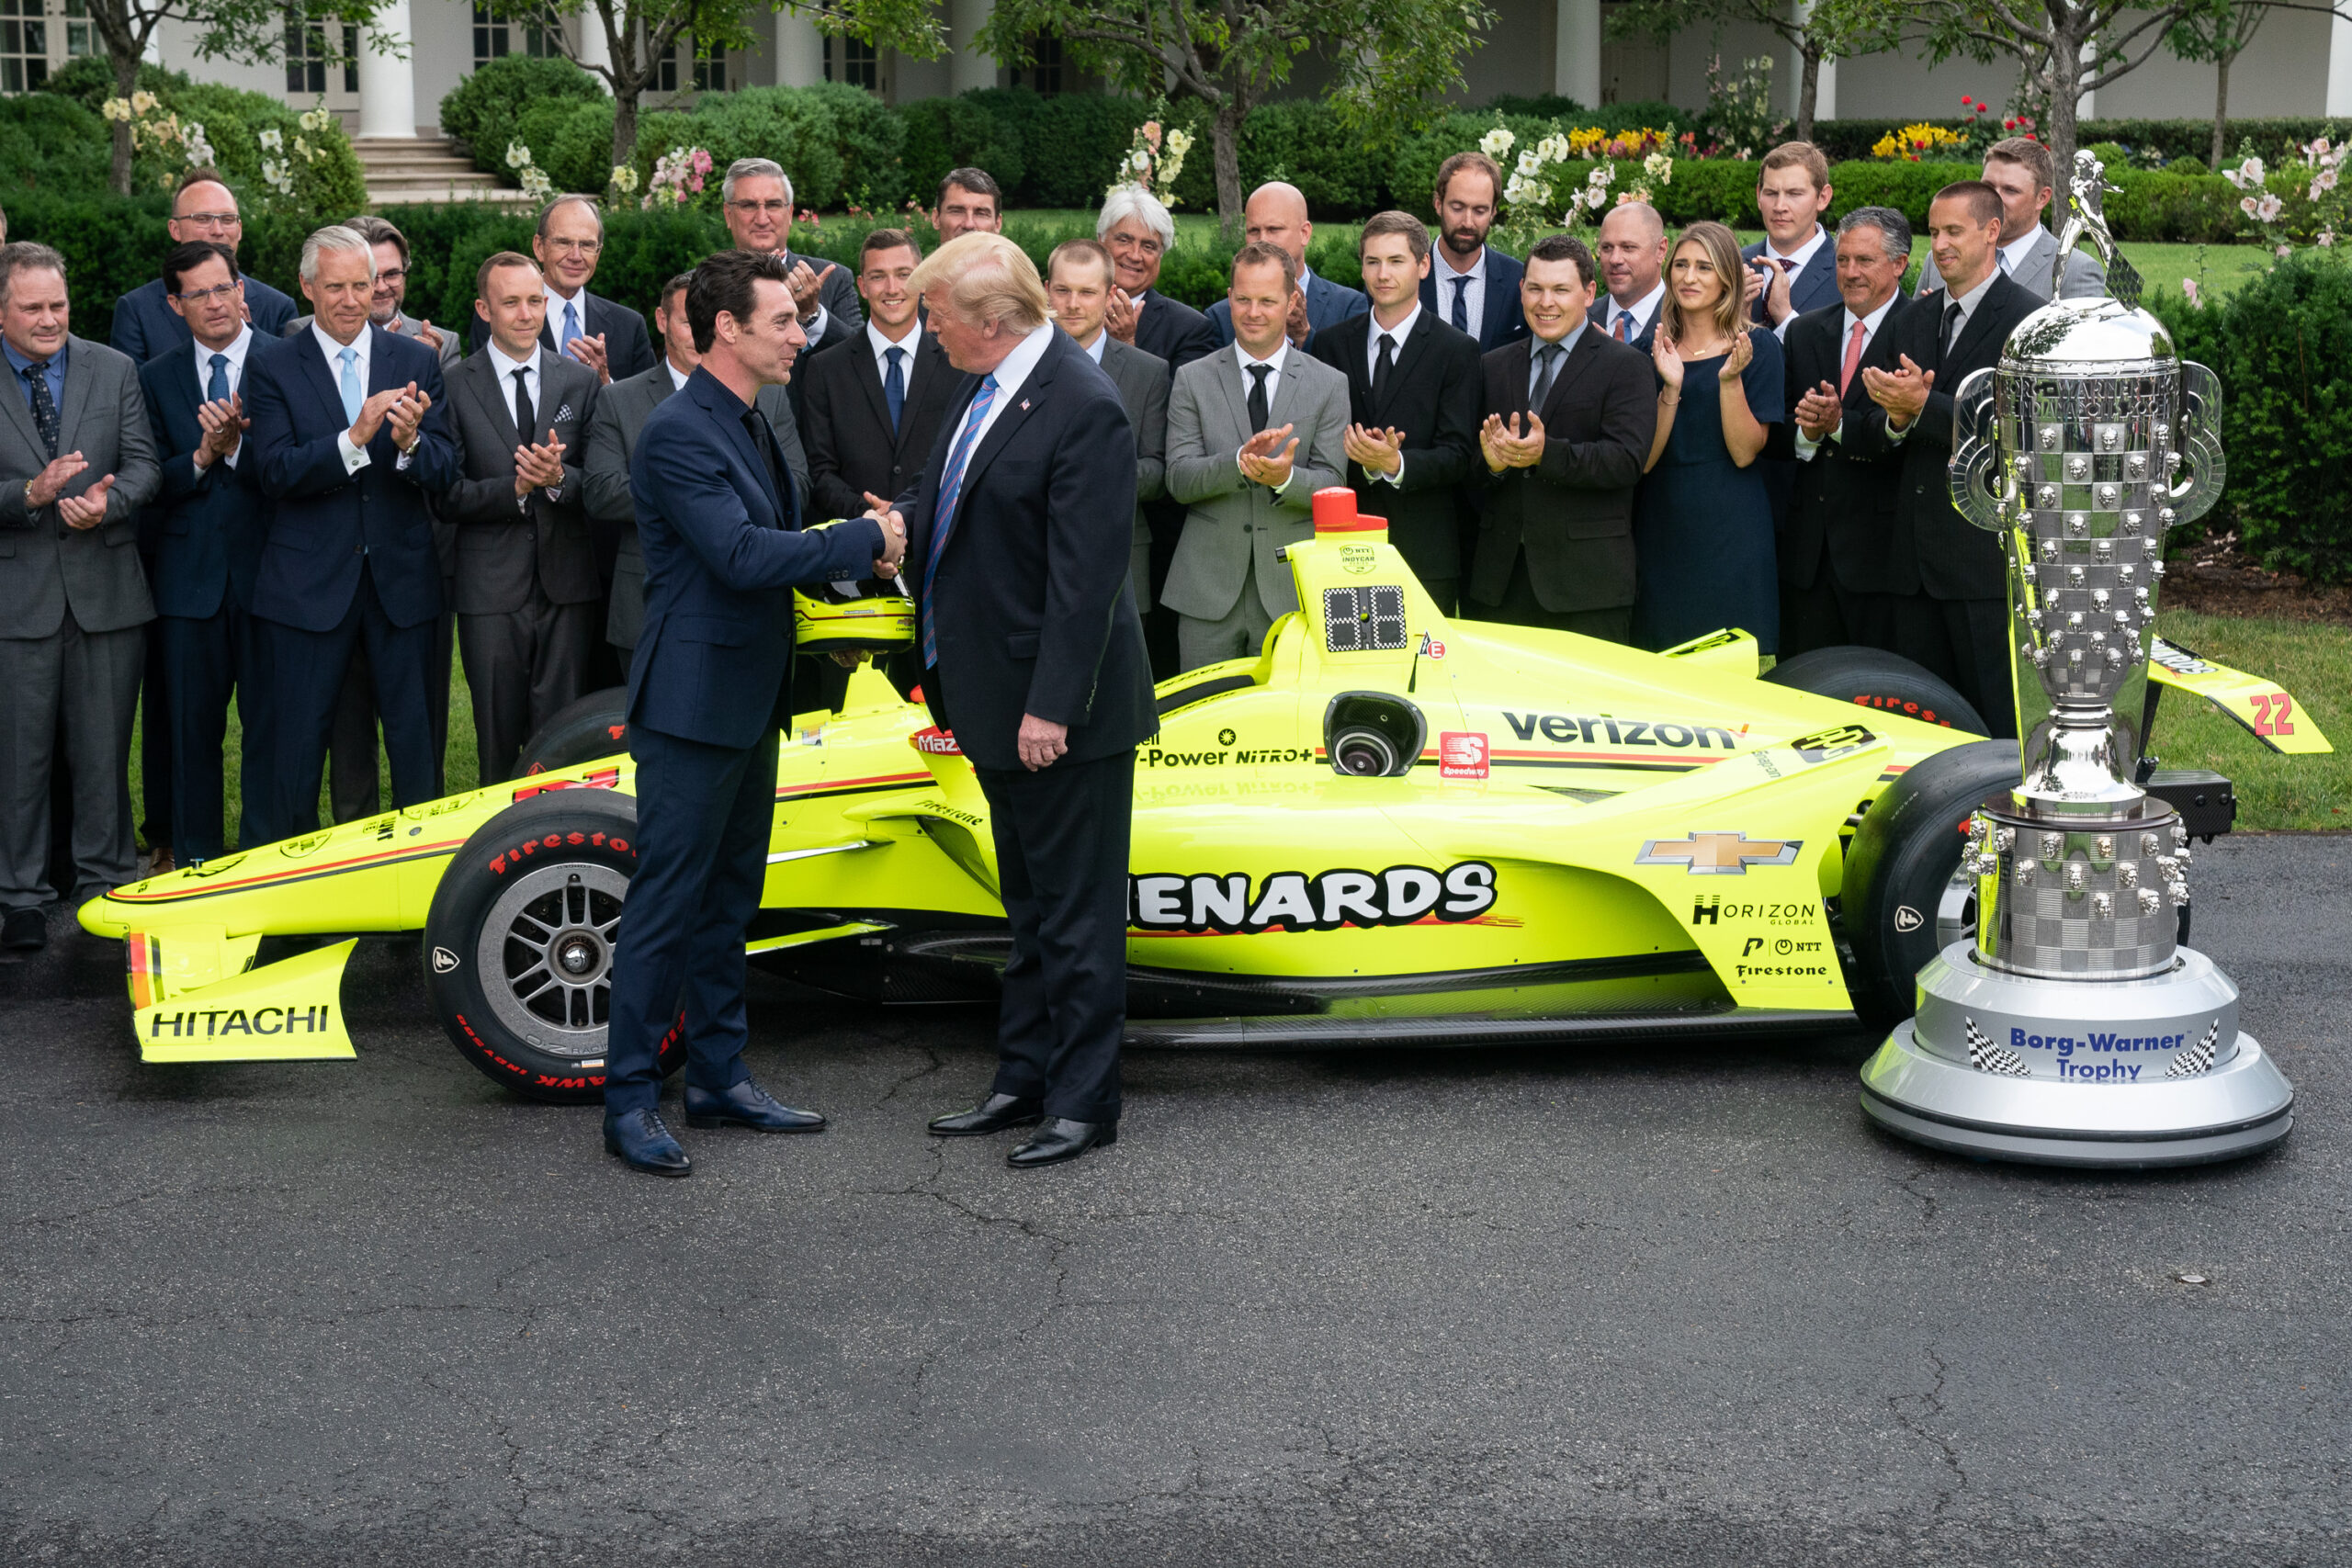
[1293, 900]
[1719, 854]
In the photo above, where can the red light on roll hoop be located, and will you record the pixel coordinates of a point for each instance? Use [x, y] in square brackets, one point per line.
[1335, 513]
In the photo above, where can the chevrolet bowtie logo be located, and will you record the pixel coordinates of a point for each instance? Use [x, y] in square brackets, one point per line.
[1719, 854]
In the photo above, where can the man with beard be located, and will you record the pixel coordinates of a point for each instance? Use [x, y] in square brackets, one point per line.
[1473, 287]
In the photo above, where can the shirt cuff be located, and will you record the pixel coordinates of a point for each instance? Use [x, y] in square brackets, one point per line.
[232, 459]
[1805, 445]
[354, 457]
[1782, 331]
[1898, 436]
[1394, 480]
[399, 465]
[816, 329]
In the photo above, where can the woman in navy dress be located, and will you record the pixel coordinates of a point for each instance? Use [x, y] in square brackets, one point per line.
[1702, 522]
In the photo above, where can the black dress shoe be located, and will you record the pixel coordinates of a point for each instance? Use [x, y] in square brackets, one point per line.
[747, 1105]
[644, 1142]
[993, 1114]
[1062, 1138]
[24, 930]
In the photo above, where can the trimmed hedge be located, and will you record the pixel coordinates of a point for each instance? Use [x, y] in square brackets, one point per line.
[485, 109]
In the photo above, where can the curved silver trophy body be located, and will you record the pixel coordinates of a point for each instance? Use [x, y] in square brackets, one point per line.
[2073, 1028]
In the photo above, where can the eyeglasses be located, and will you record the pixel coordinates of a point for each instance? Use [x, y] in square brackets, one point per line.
[211, 220]
[391, 273]
[199, 296]
[574, 247]
[777, 208]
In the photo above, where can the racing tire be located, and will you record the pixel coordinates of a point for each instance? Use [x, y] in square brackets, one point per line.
[581, 731]
[1903, 900]
[518, 944]
[1882, 682]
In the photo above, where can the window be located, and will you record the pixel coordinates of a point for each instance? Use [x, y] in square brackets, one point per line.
[494, 37]
[78, 39]
[24, 45]
[312, 60]
[855, 61]
[707, 71]
[1045, 75]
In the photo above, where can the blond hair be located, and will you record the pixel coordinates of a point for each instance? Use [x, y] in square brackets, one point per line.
[988, 278]
[1722, 247]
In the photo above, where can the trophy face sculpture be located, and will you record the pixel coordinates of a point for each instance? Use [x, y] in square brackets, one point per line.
[2074, 1029]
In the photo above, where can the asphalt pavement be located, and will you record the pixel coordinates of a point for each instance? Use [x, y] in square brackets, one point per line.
[1672, 1306]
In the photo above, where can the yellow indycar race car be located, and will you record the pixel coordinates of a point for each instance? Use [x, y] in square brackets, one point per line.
[1390, 827]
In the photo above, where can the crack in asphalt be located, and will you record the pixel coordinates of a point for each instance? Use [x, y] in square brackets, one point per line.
[1932, 1405]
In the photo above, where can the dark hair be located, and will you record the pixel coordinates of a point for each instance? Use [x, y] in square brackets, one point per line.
[1566, 248]
[723, 285]
[27, 255]
[1983, 201]
[378, 232]
[1476, 163]
[886, 240]
[497, 260]
[979, 182]
[1416, 232]
[2028, 153]
[1894, 229]
[185, 258]
[205, 175]
[1093, 250]
[1258, 252]
[670, 290]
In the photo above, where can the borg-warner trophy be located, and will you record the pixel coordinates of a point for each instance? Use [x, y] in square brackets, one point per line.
[2073, 1028]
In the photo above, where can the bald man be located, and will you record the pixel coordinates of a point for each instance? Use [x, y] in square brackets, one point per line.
[1276, 214]
[1632, 254]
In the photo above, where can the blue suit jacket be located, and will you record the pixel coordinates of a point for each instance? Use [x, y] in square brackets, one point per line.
[326, 517]
[209, 525]
[145, 325]
[1505, 319]
[722, 551]
[1327, 304]
[1810, 290]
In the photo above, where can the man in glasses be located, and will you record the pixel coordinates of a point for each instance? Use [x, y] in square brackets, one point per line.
[387, 308]
[145, 322]
[609, 339]
[758, 204]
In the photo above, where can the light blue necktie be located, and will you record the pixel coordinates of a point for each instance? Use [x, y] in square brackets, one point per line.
[571, 326]
[217, 390]
[951, 491]
[352, 396]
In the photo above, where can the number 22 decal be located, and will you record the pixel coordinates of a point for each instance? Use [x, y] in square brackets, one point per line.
[2272, 711]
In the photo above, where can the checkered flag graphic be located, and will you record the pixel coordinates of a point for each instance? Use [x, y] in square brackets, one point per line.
[2198, 1059]
[1987, 1058]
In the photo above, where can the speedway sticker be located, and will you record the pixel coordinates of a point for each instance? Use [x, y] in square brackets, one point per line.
[1298, 901]
[1462, 754]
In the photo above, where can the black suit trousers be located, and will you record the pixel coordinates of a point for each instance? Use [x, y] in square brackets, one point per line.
[704, 814]
[308, 684]
[1966, 642]
[210, 659]
[1061, 851]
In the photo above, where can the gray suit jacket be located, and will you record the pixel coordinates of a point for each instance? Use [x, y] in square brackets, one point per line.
[405, 325]
[1235, 524]
[620, 414]
[503, 548]
[1142, 380]
[46, 565]
[2086, 274]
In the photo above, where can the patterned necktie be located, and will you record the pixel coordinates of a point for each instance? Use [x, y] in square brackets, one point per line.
[217, 390]
[1624, 332]
[1853, 356]
[571, 325]
[1461, 304]
[1547, 360]
[1261, 416]
[527, 419]
[44, 406]
[951, 491]
[894, 386]
[352, 396]
[1382, 366]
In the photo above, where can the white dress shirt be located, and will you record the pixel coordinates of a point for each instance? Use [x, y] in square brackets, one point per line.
[1644, 310]
[530, 369]
[236, 368]
[1009, 379]
[1792, 263]
[881, 346]
[1473, 299]
[1397, 335]
[677, 376]
[1805, 444]
[1274, 384]
[1095, 349]
[2013, 254]
[354, 456]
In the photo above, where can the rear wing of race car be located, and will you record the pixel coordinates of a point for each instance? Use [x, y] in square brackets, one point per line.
[2207, 803]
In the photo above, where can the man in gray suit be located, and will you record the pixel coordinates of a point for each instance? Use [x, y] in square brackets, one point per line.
[2023, 172]
[526, 580]
[1253, 432]
[1078, 279]
[620, 414]
[76, 463]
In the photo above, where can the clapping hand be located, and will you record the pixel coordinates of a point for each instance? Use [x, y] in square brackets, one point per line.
[590, 351]
[429, 335]
[224, 424]
[1666, 357]
[1767, 281]
[1261, 461]
[406, 412]
[1376, 451]
[1506, 448]
[1120, 315]
[1902, 394]
[373, 413]
[1295, 324]
[88, 508]
[53, 478]
[538, 467]
[1743, 352]
[1820, 412]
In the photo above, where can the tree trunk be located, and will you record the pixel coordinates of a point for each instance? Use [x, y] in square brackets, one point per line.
[2065, 92]
[1808, 87]
[125, 82]
[1225, 142]
[2221, 112]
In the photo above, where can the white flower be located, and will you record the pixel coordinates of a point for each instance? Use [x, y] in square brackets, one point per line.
[2249, 172]
[1180, 142]
[1531, 163]
[116, 109]
[2189, 286]
[272, 140]
[624, 178]
[2267, 208]
[2327, 236]
[2282, 252]
[1553, 148]
[2245, 204]
[142, 102]
[1602, 176]
[517, 155]
[303, 149]
[1498, 142]
[1658, 166]
[2325, 180]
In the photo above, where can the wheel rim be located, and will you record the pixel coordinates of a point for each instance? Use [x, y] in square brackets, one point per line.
[1956, 910]
[546, 956]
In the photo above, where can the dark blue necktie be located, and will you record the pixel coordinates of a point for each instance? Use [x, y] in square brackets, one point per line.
[1461, 304]
[216, 390]
[894, 386]
[44, 406]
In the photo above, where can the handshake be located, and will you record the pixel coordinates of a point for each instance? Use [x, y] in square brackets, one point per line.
[894, 534]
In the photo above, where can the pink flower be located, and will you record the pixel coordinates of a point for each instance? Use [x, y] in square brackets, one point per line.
[2189, 286]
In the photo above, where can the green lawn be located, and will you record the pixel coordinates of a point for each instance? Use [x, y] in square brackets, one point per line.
[2313, 662]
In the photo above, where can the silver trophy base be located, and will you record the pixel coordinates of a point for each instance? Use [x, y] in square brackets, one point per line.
[2128, 1073]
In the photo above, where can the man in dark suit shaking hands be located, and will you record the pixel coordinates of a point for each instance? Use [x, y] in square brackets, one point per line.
[718, 521]
[1033, 656]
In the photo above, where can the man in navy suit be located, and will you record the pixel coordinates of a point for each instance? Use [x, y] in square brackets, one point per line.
[350, 436]
[1034, 657]
[718, 521]
[202, 208]
[1276, 215]
[1794, 267]
[1472, 286]
[609, 339]
[1632, 254]
[213, 517]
